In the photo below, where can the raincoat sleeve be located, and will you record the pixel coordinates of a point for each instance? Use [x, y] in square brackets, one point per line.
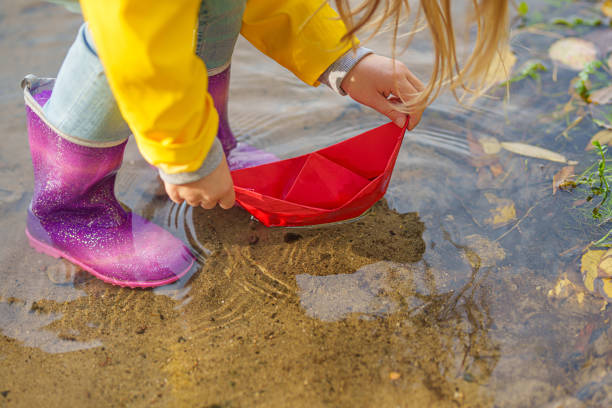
[160, 84]
[304, 36]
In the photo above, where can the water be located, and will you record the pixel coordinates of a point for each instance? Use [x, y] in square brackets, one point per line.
[428, 299]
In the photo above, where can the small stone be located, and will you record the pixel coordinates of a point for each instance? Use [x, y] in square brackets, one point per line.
[5, 393]
[253, 239]
[394, 375]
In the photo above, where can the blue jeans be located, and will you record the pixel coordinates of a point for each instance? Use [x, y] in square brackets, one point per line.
[82, 104]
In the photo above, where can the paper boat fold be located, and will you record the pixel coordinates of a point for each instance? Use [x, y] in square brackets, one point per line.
[333, 184]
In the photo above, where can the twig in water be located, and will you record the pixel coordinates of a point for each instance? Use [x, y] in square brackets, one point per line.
[517, 223]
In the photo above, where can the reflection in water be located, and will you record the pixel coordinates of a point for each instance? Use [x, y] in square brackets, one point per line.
[24, 322]
[334, 297]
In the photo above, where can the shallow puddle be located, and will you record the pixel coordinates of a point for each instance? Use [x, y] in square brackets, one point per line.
[461, 288]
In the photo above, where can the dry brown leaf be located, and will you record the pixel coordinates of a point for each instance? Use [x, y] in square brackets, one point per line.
[602, 96]
[575, 53]
[604, 137]
[606, 8]
[535, 152]
[503, 212]
[566, 173]
[604, 268]
[589, 265]
[564, 288]
[496, 169]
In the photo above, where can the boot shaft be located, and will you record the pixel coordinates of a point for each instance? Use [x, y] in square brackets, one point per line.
[218, 87]
[69, 176]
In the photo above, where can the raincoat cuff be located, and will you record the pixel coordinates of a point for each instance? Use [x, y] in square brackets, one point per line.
[211, 162]
[336, 72]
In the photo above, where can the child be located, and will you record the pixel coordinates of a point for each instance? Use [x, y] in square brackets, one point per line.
[133, 69]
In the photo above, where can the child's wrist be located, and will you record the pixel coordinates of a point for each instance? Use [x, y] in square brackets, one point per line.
[335, 73]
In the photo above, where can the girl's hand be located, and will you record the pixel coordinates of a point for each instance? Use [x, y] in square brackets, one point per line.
[217, 187]
[372, 82]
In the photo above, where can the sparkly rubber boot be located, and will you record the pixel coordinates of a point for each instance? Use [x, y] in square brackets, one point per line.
[74, 213]
[239, 155]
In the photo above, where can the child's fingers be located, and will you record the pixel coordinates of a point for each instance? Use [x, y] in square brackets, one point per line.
[207, 204]
[416, 82]
[387, 108]
[173, 194]
[227, 201]
[407, 91]
[194, 200]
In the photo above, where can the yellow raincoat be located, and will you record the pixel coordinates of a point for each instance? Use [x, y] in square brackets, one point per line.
[160, 84]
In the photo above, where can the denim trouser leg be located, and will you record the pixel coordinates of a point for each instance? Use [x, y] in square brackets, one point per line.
[82, 104]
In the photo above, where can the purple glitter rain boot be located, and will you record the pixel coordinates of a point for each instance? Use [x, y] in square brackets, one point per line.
[74, 213]
[239, 155]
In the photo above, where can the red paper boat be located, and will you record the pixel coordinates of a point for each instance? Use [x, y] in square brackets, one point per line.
[333, 184]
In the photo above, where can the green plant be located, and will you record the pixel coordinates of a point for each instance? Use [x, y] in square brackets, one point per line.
[530, 71]
[577, 21]
[581, 85]
[597, 179]
[522, 9]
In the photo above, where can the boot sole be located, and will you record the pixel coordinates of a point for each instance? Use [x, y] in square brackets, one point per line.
[56, 253]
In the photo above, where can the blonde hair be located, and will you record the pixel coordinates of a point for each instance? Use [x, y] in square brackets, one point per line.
[490, 16]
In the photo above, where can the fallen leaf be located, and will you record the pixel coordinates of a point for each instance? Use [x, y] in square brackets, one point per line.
[501, 67]
[561, 176]
[496, 169]
[490, 145]
[606, 8]
[578, 203]
[393, 375]
[590, 270]
[503, 212]
[602, 96]
[575, 53]
[605, 288]
[535, 152]
[563, 289]
[588, 266]
[604, 268]
[604, 137]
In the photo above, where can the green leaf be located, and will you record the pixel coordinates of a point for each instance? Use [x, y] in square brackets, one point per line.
[576, 21]
[523, 8]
